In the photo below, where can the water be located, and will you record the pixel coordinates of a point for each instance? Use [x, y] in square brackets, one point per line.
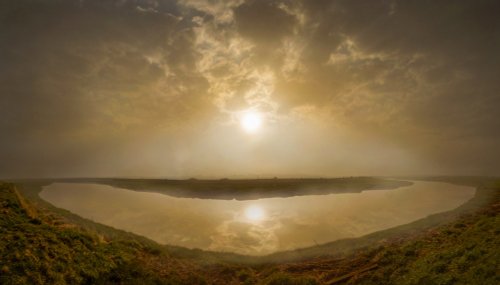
[255, 227]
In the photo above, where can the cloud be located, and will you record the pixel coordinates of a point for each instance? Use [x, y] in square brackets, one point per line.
[261, 30]
[83, 80]
[79, 75]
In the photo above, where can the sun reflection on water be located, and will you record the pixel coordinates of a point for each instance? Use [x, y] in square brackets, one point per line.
[254, 213]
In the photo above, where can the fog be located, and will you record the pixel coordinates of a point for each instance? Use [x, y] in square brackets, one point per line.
[156, 88]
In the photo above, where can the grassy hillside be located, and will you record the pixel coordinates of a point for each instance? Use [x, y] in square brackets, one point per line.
[40, 244]
[466, 251]
[38, 251]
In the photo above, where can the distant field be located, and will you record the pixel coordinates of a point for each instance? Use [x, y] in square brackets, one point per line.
[246, 189]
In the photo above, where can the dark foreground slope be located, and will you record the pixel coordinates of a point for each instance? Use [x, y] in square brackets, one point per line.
[465, 251]
[41, 246]
[35, 249]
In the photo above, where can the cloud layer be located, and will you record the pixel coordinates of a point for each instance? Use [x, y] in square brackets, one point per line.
[154, 88]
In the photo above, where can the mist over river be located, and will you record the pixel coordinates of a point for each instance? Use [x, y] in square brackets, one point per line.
[255, 227]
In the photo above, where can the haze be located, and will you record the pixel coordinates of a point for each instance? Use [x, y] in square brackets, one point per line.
[162, 88]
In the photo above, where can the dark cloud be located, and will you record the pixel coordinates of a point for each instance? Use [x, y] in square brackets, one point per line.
[416, 69]
[263, 22]
[73, 70]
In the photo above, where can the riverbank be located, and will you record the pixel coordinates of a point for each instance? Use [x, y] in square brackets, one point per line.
[281, 224]
[243, 189]
[460, 245]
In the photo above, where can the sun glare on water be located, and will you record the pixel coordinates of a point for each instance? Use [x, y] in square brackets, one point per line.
[255, 213]
[251, 121]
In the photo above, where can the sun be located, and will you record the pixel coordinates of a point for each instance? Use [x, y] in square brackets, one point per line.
[254, 213]
[251, 121]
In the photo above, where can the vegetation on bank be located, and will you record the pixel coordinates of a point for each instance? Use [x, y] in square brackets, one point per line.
[466, 251]
[40, 244]
[37, 251]
[247, 189]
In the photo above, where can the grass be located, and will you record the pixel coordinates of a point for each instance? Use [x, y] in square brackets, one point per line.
[41, 244]
[464, 252]
[36, 251]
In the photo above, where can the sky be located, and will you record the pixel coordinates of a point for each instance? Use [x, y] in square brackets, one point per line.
[156, 88]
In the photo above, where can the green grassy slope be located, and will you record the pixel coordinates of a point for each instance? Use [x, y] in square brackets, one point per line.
[36, 251]
[464, 251]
